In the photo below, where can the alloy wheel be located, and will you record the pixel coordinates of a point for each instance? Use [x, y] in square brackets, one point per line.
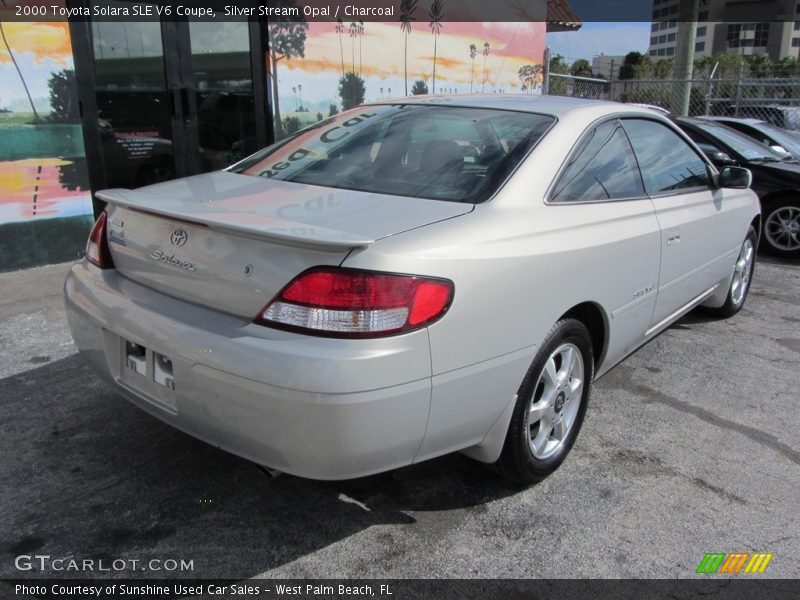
[553, 407]
[783, 228]
[742, 272]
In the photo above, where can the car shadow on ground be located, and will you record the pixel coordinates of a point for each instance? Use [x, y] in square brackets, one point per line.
[85, 474]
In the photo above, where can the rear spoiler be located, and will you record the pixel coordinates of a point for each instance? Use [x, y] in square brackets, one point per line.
[247, 224]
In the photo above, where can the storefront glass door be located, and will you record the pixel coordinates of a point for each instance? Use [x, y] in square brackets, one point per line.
[173, 98]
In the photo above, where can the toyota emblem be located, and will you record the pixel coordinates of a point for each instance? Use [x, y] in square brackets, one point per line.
[178, 237]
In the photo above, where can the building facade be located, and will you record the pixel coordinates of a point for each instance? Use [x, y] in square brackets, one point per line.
[607, 65]
[726, 27]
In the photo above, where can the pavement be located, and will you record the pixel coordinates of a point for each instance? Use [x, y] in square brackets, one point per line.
[689, 446]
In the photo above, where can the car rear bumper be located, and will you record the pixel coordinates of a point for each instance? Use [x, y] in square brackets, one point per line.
[315, 407]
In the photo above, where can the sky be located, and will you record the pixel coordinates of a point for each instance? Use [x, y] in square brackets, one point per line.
[595, 38]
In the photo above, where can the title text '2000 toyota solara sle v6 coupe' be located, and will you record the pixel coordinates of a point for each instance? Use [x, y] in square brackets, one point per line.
[409, 279]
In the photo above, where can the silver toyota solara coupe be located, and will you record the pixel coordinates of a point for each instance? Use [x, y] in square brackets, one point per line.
[411, 278]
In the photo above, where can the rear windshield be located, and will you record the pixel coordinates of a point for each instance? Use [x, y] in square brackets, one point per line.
[436, 152]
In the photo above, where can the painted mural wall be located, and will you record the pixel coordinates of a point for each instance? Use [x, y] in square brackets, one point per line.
[45, 202]
[320, 68]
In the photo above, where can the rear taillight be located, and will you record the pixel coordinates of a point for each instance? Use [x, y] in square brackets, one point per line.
[351, 303]
[97, 251]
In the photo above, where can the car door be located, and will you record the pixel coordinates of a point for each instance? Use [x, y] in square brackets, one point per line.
[695, 222]
[613, 224]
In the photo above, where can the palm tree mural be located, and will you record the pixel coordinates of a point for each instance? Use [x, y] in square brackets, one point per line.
[473, 52]
[19, 72]
[528, 75]
[288, 41]
[353, 34]
[436, 14]
[407, 8]
[340, 31]
[300, 95]
[360, 36]
[485, 55]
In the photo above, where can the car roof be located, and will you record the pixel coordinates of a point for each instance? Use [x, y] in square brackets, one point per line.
[551, 105]
[748, 120]
[700, 121]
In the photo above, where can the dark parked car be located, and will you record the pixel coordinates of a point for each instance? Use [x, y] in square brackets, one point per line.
[785, 117]
[776, 179]
[780, 140]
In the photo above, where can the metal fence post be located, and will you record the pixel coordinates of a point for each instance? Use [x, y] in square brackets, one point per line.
[546, 78]
[739, 89]
[710, 89]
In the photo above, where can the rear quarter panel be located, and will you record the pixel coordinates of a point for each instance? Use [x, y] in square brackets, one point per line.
[518, 265]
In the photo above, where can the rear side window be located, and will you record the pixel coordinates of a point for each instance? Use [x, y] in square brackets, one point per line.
[667, 162]
[604, 168]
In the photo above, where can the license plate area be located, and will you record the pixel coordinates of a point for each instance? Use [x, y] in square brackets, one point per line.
[149, 373]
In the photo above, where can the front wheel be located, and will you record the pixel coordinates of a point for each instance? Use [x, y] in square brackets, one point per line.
[742, 277]
[551, 404]
[782, 228]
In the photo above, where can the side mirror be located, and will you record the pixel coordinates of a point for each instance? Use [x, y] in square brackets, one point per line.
[735, 177]
[780, 150]
[718, 157]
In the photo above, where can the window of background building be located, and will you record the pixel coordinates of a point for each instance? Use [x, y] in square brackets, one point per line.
[652, 52]
[673, 23]
[653, 40]
[671, 37]
[733, 35]
[654, 27]
[664, 25]
[670, 51]
[797, 25]
[701, 31]
[761, 34]
[699, 46]
[662, 39]
[795, 42]
[661, 51]
[702, 16]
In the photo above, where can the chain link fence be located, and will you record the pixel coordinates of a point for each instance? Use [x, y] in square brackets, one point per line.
[774, 100]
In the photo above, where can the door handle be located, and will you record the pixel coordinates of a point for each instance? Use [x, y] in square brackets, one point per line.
[176, 102]
[181, 103]
[187, 109]
[673, 237]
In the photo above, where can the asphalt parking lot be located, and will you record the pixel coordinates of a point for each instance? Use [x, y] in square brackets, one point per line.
[690, 446]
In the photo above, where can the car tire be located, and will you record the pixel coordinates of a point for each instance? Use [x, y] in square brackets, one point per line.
[555, 392]
[782, 227]
[742, 278]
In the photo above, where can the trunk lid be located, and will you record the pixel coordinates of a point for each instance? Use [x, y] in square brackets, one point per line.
[231, 242]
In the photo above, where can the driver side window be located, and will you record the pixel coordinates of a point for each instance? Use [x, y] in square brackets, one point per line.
[668, 163]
